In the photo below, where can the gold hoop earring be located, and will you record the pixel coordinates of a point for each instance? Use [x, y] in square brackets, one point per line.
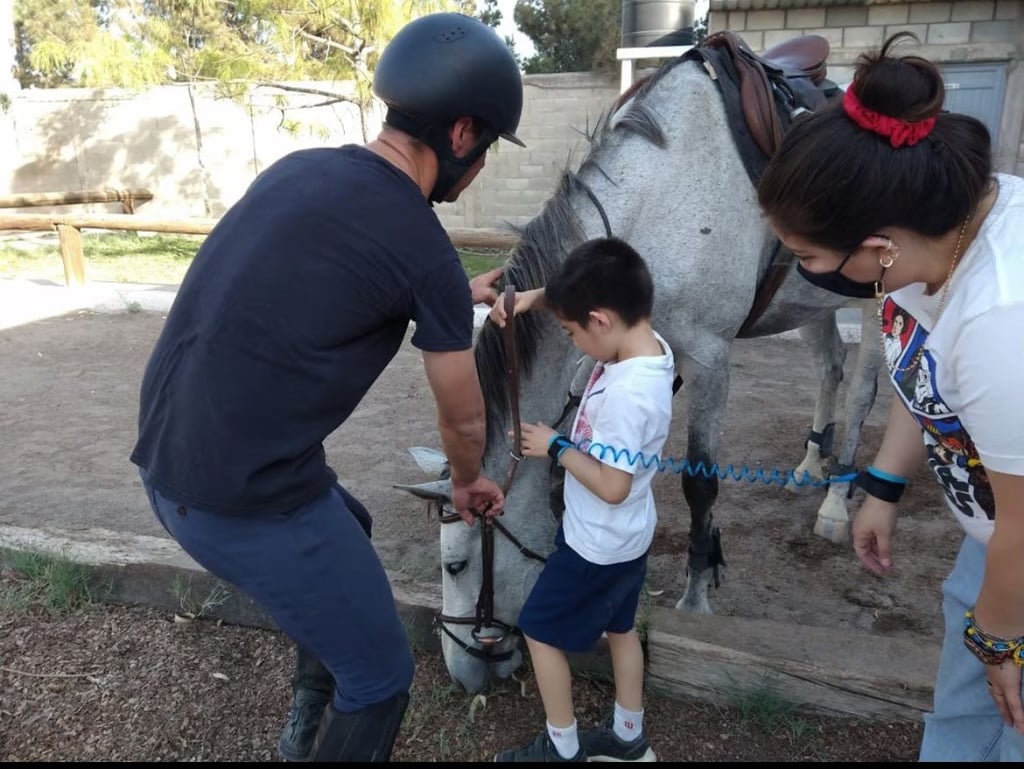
[893, 253]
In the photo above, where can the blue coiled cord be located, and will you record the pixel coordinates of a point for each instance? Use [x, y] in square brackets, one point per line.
[729, 472]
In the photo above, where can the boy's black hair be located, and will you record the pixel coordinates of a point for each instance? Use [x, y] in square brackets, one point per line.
[602, 273]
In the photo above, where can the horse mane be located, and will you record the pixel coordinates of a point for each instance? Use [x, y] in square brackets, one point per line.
[546, 240]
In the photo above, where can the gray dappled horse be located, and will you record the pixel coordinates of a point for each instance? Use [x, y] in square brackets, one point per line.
[663, 173]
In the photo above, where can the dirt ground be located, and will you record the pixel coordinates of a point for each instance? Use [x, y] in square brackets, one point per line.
[68, 397]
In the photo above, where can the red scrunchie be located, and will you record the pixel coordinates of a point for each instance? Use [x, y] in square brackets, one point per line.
[898, 132]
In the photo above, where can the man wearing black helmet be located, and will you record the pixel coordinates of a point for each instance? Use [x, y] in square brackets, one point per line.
[293, 306]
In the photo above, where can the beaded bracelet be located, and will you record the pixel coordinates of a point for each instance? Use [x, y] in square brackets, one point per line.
[991, 649]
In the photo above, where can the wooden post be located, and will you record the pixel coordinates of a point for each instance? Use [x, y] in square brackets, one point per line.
[71, 253]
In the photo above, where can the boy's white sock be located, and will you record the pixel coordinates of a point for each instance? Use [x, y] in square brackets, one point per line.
[628, 724]
[566, 739]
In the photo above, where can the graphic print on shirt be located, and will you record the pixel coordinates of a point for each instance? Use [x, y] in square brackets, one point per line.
[952, 455]
[584, 432]
[897, 331]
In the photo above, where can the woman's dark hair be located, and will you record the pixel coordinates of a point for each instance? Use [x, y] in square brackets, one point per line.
[835, 183]
[601, 273]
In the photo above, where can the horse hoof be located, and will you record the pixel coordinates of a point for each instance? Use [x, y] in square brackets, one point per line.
[832, 530]
[694, 606]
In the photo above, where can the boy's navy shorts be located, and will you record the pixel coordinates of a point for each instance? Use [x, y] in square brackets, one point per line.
[574, 601]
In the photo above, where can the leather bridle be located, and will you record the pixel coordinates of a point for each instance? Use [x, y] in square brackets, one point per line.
[484, 618]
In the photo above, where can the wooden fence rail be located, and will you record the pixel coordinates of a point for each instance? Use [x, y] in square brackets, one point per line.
[69, 229]
[126, 197]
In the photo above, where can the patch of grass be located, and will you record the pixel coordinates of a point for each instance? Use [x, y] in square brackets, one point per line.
[123, 257]
[193, 607]
[45, 580]
[477, 261]
[763, 709]
[422, 716]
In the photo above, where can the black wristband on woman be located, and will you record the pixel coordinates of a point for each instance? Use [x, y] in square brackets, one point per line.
[885, 486]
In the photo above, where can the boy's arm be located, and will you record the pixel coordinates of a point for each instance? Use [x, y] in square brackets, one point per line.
[609, 483]
[525, 301]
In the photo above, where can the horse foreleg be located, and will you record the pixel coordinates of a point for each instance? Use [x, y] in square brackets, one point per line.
[833, 522]
[829, 356]
[708, 389]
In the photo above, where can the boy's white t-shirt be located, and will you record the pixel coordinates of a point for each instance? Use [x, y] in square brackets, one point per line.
[966, 388]
[624, 414]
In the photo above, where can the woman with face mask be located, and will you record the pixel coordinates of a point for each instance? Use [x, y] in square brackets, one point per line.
[888, 196]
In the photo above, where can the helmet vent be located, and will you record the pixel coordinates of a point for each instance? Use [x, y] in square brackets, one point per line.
[448, 36]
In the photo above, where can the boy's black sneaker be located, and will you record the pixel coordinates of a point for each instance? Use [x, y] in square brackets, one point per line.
[541, 749]
[603, 744]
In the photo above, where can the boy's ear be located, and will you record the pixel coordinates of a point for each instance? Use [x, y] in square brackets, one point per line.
[602, 318]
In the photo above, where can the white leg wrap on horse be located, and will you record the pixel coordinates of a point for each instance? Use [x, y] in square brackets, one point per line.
[812, 466]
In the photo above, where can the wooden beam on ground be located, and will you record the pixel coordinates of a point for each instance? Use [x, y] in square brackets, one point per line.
[127, 197]
[822, 670]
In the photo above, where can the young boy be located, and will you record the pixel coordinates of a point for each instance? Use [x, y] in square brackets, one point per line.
[602, 296]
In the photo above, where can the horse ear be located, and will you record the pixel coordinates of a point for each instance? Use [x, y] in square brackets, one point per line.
[435, 491]
[430, 461]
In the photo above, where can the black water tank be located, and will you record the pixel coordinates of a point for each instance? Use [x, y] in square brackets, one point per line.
[657, 22]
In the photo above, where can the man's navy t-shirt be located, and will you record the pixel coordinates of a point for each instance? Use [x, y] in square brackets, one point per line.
[293, 306]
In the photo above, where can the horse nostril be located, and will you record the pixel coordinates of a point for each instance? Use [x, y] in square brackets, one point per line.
[455, 567]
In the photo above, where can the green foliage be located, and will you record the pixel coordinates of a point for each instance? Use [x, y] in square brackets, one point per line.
[136, 43]
[764, 709]
[571, 35]
[477, 262]
[46, 580]
[117, 257]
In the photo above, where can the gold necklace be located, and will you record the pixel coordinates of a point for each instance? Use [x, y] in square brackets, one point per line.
[942, 300]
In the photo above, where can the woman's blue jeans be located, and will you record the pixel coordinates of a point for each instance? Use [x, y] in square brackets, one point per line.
[965, 724]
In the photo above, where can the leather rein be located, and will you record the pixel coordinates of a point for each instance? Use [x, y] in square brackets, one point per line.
[484, 619]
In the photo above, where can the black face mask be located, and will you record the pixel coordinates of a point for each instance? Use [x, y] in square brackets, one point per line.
[838, 283]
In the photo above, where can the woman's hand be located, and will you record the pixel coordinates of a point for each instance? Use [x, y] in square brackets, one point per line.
[872, 533]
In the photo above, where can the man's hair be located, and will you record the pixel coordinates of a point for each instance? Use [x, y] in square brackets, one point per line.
[603, 273]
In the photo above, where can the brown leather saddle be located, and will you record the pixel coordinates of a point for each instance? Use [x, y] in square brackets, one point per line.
[763, 94]
[774, 87]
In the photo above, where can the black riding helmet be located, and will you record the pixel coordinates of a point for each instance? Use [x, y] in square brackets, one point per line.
[443, 66]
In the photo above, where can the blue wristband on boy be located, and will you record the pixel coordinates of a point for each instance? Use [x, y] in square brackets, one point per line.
[557, 445]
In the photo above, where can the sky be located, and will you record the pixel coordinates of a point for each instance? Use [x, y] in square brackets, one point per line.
[524, 47]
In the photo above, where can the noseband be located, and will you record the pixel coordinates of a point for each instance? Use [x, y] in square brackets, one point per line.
[484, 619]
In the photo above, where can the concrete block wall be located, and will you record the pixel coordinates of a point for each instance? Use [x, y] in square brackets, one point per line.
[950, 32]
[70, 139]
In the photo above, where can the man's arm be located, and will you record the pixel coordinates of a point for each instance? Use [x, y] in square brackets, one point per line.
[460, 410]
[462, 422]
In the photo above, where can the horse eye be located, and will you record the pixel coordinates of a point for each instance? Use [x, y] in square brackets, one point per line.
[455, 567]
